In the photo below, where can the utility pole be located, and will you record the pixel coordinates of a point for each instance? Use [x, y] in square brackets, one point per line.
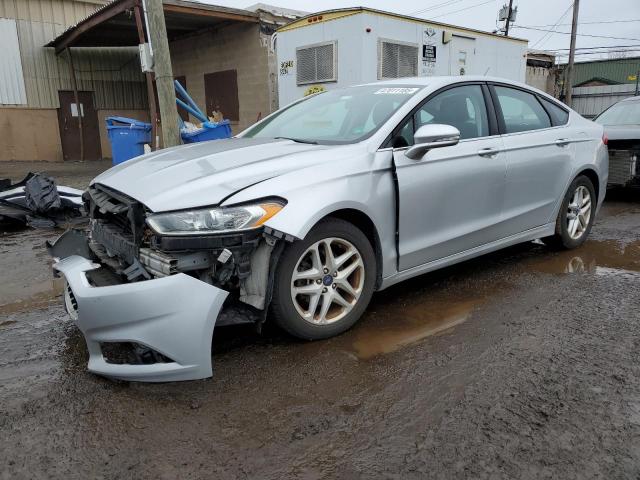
[568, 78]
[506, 26]
[163, 73]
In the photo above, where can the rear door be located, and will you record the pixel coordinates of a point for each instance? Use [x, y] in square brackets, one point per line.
[451, 199]
[539, 152]
[461, 59]
[69, 126]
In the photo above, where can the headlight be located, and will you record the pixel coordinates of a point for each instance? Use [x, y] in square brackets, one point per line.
[214, 220]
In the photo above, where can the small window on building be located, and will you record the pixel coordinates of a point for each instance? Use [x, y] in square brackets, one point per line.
[316, 63]
[396, 59]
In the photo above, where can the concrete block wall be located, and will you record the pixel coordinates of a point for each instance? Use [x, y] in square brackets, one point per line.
[237, 46]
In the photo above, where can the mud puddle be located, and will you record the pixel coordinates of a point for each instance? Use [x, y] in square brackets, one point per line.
[26, 280]
[607, 257]
[407, 320]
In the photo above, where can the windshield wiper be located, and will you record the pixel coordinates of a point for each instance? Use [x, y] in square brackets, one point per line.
[298, 140]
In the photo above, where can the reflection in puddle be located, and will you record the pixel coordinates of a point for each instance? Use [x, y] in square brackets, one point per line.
[411, 325]
[413, 317]
[598, 257]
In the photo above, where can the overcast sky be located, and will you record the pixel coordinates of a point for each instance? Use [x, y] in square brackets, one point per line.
[624, 16]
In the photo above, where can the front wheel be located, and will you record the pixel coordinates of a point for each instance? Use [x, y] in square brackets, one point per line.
[576, 215]
[325, 282]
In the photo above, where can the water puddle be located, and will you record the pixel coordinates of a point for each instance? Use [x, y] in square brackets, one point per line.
[405, 321]
[26, 276]
[608, 257]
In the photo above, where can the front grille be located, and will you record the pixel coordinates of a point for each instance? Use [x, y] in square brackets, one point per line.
[117, 224]
[70, 302]
[622, 166]
[115, 240]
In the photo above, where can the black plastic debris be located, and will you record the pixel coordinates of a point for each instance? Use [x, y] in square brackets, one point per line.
[38, 202]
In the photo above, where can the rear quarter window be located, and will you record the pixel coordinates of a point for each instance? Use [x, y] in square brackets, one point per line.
[559, 116]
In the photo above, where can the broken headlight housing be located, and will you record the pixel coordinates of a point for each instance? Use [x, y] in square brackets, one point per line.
[215, 220]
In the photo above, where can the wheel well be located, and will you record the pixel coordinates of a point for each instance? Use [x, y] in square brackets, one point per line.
[593, 176]
[364, 223]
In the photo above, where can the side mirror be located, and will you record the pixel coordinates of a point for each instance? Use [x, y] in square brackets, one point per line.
[430, 136]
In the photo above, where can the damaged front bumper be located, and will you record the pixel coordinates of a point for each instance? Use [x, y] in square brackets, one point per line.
[173, 316]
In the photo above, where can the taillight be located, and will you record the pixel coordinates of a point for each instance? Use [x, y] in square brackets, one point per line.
[605, 139]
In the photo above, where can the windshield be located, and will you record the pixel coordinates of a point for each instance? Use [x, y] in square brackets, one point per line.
[622, 113]
[346, 115]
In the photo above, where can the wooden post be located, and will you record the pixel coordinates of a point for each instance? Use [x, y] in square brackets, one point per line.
[572, 52]
[163, 73]
[153, 111]
[76, 99]
[506, 27]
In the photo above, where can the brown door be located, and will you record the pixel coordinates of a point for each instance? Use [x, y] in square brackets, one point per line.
[221, 94]
[70, 130]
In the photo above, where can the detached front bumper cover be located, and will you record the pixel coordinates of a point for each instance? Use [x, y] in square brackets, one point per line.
[173, 315]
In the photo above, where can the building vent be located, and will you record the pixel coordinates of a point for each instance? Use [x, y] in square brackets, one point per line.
[316, 63]
[396, 59]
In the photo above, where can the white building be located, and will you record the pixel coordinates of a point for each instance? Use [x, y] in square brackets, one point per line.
[337, 48]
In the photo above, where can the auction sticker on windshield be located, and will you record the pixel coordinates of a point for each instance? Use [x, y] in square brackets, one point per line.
[395, 91]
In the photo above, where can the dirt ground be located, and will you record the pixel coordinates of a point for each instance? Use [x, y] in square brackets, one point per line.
[521, 364]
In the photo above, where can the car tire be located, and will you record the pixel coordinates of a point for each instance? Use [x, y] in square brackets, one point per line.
[576, 215]
[309, 300]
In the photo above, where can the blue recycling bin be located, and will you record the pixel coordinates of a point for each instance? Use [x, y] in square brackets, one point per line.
[209, 131]
[127, 137]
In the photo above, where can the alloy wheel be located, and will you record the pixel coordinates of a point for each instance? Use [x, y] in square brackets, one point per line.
[327, 281]
[579, 212]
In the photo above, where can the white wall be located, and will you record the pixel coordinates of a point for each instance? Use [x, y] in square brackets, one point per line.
[358, 50]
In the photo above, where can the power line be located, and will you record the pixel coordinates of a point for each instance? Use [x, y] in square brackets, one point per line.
[579, 34]
[463, 9]
[546, 36]
[593, 48]
[585, 23]
[437, 5]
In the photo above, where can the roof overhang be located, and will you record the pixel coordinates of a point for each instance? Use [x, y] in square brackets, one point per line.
[114, 24]
[337, 13]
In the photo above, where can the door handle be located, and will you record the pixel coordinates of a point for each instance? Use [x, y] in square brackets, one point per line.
[563, 142]
[488, 152]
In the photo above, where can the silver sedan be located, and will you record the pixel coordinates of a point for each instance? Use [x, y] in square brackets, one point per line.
[303, 216]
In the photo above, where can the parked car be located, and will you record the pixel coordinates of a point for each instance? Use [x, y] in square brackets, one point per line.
[621, 124]
[308, 212]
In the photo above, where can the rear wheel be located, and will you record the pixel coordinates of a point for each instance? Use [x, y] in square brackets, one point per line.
[325, 282]
[576, 215]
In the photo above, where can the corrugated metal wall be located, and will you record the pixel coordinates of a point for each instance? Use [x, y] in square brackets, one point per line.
[591, 101]
[616, 70]
[113, 74]
[12, 90]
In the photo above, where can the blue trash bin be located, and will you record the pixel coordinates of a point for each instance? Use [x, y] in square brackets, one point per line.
[127, 137]
[209, 131]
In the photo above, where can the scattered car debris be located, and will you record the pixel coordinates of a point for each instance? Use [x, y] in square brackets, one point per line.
[36, 201]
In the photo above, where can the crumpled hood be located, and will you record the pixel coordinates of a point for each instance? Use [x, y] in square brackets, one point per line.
[622, 132]
[204, 174]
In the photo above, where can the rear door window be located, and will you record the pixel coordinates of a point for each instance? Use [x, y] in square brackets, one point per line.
[521, 110]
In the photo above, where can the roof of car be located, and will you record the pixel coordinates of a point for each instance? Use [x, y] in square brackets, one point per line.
[440, 81]
[631, 99]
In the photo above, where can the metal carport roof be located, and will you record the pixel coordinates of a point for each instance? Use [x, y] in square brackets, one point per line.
[114, 25]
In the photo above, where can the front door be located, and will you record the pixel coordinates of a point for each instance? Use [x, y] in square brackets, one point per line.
[69, 125]
[451, 199]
